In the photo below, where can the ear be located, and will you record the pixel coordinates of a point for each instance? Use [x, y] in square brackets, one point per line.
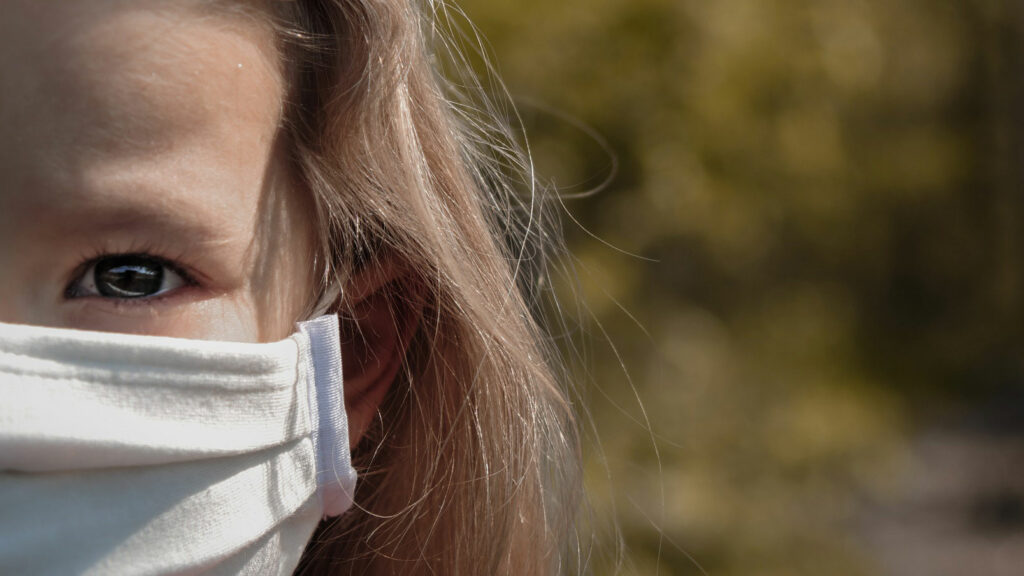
[378, 318]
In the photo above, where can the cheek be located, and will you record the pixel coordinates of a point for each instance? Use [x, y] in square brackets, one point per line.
[225, 316]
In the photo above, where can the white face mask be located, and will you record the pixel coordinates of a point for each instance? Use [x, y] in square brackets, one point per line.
[124, 454]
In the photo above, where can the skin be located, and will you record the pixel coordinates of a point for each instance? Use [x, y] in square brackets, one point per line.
[153, 127]
[147, 127]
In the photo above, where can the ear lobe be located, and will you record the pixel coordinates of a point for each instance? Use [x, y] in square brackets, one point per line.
[378, 318]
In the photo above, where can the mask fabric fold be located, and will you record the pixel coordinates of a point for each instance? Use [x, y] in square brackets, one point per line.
[124, 454]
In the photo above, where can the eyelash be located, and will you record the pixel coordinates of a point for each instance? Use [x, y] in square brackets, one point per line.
[88, 261]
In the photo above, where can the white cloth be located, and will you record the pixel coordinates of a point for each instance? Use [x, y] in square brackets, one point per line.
[123, 454]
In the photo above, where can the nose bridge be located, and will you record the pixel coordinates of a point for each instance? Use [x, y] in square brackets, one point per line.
[26, 297]
[9, 297]
[17, 307]
[13, 310]
[6, 313]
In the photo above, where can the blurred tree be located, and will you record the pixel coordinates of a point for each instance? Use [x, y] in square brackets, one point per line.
[829, 195]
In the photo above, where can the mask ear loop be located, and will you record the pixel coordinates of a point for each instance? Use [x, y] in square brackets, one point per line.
[336, 478]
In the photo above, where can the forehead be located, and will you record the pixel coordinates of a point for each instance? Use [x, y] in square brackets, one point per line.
[116, 90]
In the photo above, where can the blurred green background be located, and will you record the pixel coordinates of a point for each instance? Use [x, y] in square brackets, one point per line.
[824, 323]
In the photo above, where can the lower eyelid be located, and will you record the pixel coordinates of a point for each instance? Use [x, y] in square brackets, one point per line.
[159, 304]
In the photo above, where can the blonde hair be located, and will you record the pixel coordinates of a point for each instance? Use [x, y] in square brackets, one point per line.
[473, 464]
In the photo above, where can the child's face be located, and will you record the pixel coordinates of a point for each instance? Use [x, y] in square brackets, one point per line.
[140, 190]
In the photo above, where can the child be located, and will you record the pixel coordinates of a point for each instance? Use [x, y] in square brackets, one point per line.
[220, 169]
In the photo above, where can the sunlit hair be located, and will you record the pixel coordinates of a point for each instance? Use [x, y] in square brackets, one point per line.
[473, 465]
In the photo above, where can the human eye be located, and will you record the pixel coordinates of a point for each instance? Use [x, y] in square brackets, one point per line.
[127, 277]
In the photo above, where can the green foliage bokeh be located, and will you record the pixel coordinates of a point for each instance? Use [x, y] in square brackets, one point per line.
[824, 198]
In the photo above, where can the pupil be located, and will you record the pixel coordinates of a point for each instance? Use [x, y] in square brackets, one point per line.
[128, 276]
